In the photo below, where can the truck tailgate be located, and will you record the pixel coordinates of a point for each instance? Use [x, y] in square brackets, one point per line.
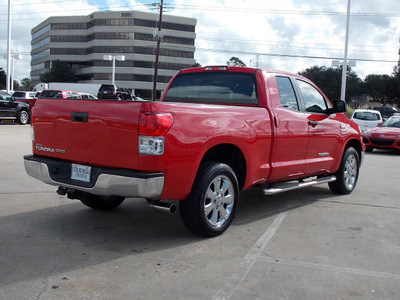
[94, 132]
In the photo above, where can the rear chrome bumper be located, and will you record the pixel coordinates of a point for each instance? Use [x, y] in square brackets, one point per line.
[104, 181]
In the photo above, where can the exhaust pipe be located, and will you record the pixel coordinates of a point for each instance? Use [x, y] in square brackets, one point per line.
[164, 207]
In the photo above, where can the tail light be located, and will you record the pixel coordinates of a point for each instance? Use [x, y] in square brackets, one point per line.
[154, 124]
[152, 129]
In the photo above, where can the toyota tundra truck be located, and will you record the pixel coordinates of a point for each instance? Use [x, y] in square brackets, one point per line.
[215, 131]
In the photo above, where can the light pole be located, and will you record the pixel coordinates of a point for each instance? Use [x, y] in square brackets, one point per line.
[10, 78]
[14, 56]
[346, 47]
[157, 34]
[113, 58]
[8, 47]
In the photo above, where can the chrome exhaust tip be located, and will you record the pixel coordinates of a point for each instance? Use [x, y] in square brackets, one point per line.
[164, 207]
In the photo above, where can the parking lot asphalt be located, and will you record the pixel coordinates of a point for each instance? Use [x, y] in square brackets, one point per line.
[304, 244]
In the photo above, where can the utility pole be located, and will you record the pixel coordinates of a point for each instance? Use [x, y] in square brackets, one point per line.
[158, 36]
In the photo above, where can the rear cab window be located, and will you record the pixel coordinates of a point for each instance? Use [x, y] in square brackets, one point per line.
[213, 87]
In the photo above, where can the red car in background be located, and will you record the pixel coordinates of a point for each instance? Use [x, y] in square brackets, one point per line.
[59, 94]
[386, 136]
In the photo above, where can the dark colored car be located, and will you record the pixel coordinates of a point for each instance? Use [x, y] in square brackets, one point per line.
[386, 111]
[111, 91]
[10, 109]
[59, 94]
[25, 96]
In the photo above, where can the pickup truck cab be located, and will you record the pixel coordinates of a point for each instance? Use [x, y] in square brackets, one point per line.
[215, 131]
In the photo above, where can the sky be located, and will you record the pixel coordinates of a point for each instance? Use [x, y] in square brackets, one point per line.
[289, 35]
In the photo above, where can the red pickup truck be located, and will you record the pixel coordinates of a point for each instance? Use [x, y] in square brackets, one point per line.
[215, 131]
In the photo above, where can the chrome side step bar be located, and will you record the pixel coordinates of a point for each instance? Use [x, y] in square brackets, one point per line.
[289, 186]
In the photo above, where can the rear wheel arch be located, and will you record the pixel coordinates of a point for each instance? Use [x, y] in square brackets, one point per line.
[230, 155]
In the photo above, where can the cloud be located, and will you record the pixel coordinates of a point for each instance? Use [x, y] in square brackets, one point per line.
[279, 34]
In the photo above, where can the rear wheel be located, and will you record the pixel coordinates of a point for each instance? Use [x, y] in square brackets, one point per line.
[210, 207]
[101, 202]
[347, 175]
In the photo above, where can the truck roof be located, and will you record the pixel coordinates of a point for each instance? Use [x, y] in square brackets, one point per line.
[223, 68]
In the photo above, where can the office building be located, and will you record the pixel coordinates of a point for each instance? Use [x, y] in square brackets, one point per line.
[83, 42]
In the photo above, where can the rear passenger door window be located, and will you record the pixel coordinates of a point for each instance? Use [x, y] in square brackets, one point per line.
[287, 96]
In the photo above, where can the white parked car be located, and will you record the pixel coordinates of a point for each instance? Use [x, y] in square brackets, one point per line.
[367, 118]
[87, 96]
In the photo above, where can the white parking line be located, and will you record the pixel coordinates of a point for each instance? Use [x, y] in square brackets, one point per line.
[324, 267]
[252, 255]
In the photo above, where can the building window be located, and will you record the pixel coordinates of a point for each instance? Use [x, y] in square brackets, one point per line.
[67, 51]
[166, 39]
[68, 38]
[110, 22]
[165, 25]
[41, 43]
[41, 54]
[41, 31]
[62, 26]
[37, 67]
[110, 36]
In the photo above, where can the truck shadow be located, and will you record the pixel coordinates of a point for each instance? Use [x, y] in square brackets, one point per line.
[68, 236]
[254, 205]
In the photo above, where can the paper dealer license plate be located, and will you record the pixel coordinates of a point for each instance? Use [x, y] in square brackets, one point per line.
[80, 172]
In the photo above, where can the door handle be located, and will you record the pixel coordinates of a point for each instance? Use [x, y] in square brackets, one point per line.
[79, 116]
[313, 123]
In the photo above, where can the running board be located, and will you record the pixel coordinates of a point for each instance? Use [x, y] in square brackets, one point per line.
[289, 186]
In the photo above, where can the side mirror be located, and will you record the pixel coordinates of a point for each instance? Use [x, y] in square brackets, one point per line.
[339, 106]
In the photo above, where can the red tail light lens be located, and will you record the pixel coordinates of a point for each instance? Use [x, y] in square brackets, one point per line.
[154, 124]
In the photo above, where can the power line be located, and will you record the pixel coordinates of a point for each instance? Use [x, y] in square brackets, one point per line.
[293, 55]
[229, 9]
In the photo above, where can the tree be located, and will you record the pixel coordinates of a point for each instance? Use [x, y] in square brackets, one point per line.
[25, 84]
[59, 72]
[234, 61]
[377, 86]
[15, 85]
[3, 79]
[393, 86]
[196, 64]
[329, 80]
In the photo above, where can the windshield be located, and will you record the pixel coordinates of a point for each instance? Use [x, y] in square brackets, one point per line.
[50, 94]
[392, 122]
[19, 94]
[218, 87]
[107, 88]
[366, 116]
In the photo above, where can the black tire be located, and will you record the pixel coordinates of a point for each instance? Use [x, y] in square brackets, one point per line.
[347, 175]
[23, 117]
[101, 202]
[210, 207]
